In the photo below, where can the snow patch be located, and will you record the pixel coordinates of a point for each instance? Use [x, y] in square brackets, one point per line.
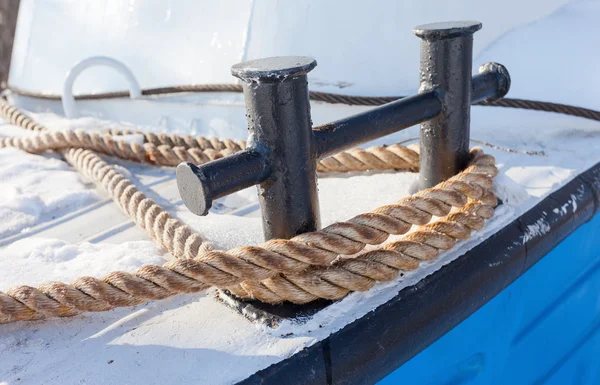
[508, 191]
[37, 260]
[539, 228]
[573, 202]
[563, 210]
[37, 188]
[192, 338]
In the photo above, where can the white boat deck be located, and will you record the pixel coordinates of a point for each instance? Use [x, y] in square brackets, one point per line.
[72, 229]
[194, 337]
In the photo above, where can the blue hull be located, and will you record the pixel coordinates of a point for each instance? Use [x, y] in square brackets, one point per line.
[542, 329]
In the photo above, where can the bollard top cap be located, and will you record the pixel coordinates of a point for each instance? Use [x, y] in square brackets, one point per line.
[447, 29]
[273, 69]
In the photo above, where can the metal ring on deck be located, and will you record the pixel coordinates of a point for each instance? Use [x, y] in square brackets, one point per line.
[68, 100]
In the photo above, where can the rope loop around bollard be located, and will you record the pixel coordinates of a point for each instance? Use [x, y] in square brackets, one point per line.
[328, 263]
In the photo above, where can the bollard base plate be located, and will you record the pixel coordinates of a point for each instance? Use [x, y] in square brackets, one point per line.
[272, 315]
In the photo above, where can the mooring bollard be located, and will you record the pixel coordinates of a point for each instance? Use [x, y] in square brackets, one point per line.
[280, 156]
[283, 150]
[446, 65]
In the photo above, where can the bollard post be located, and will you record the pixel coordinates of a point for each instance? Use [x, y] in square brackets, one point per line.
[446, 64]
[282, 152]
[278, 112]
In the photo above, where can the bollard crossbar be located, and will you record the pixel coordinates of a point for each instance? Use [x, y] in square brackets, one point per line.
[283, 148]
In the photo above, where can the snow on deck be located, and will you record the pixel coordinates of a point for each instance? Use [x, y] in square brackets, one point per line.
[54, 225]
[193, 337]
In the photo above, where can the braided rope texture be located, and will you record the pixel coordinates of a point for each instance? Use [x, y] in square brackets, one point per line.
[330, 263]
[331, 98]
[170, 149]
[14, 116]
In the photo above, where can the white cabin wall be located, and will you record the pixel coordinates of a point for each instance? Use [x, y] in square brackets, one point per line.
[163, 42]
[370, 44]
[366, 47]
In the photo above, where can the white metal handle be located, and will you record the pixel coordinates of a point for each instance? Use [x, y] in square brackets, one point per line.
[68, 101]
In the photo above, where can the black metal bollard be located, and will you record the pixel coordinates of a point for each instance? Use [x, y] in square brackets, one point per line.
[278, 111]
[446, 64]
[280, 157]
[283, 149]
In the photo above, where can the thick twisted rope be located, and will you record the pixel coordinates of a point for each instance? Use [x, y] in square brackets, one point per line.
[162, 155]
[394, 157]
[187, 141]
[14, 116]
[321, 264]
[171, 150]
[167, 232]
[328, 97]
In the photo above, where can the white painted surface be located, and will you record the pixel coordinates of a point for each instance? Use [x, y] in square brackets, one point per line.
[363, 47]
[164, 42]
[194, 339]
[538, 55]
[31, 190]
[68, 100]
